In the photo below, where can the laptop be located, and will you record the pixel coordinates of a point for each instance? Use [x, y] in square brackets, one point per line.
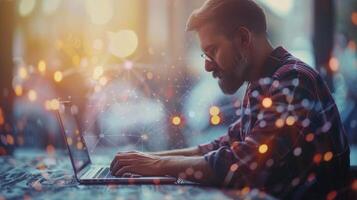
[86, 172]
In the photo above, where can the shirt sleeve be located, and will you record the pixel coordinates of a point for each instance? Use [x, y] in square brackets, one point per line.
[214, 145]
[280, 110]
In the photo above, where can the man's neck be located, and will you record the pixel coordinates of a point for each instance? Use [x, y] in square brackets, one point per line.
[261, 53]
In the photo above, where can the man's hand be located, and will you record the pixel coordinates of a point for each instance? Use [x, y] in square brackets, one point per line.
[137, 163]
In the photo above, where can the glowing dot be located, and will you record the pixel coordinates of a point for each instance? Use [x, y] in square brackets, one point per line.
[214, 110]
[297, 151]
[317, 158]
[290, 120]
[41, 66]
[215, 120]
[328, 156]
[354, 185]
[57, 76]
[98, 72]
[69, 141]
[331, 195]
[10, 140]
[176, 120]
[354, 18]
[26, 7]
[263, 148]
[234, 167]
[123, 43]
[267, 102]
[18, 90]
[79, 145]
[245, 190]
[189, 171]
[279, 123]
[32, 95]
[309, 137]
[334, 64]
[54, 104]
[23, 72]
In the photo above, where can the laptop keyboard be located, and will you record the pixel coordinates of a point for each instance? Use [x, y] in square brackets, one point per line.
[103, 172]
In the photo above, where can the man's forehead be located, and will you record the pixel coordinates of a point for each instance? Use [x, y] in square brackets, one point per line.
[208, 34]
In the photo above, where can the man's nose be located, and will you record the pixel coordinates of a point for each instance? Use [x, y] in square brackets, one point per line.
[209, 65]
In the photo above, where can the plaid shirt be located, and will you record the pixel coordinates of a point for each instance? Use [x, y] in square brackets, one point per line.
[289, 139]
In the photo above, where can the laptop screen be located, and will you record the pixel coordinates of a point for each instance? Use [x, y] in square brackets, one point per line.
[73, 138]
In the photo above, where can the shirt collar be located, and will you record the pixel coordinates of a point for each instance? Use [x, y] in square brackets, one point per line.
[272, 63]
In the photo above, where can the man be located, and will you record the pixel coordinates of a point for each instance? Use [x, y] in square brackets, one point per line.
[289, 140]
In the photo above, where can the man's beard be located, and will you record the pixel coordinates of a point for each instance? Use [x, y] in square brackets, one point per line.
[230, 82]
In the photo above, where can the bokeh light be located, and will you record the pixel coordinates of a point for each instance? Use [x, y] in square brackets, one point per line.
[215, 120]
[100, 12]
[176, 120]
[23, 72]
[41, 66]
[279, 123]
[234, 167]
[309, 137]
[214, 110]
[354, 18]
[57, 76]
[263, 148]
[328, 156]
[267, 102]
[334, 64]
[26, 7]
[32, 95]
[290, 120]
[123, 43]
[18, 90]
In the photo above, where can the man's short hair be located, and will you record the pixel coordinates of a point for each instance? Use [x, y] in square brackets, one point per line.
[228, 15]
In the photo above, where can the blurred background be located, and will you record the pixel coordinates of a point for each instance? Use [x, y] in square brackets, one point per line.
[136, 78]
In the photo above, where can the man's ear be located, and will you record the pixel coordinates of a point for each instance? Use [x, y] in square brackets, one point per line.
[243, 37]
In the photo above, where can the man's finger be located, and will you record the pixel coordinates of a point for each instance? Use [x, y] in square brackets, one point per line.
[114, 161]
[121, 163]
[123, 170]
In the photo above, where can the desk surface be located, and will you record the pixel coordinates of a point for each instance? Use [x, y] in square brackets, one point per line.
[42, 177]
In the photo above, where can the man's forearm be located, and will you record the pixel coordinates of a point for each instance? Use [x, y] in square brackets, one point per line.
[193, 168]
[192, 151]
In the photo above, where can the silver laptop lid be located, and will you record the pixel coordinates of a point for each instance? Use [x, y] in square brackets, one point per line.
[73, 138]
